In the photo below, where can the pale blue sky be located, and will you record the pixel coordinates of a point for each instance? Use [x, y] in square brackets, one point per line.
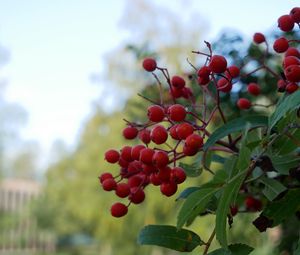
[55, 45]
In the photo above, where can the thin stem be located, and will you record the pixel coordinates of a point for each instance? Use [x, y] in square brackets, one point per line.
[208, 243]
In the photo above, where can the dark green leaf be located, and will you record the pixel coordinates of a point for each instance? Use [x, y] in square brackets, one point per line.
[272, 188]
[233, 249]
[170, 237]
[235, 125]
[279, 210]
[286, 145]
[290, 103]
[185, 193]
[297, 250]
[283, 164]
[194, 204]
[192, 170]
[218, 159]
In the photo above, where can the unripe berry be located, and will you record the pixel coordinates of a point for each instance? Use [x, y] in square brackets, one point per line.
[168, 189]
[156, 113]
[109, 184]
[118, 210]
[159, 134]
[146, 156]
[135, 151]
[286, 23]
[291, 87]
[130, 133]
[194, 141]
[160, 159]
[218, 64]
[178, 175]
[290, 60]
[295, 14]
[137, 195]
[259, 38]
[105, 176]
[112, 156]
[224, 85]
[177, 82]
[122, 190]
[149, 64]
[253, 89]
[233, 72]
[144, 136]
[292, 73]
[183, 130]
[281, 45]
[177, 112]
[243, 103]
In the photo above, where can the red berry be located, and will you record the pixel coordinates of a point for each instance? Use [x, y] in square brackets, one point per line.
[177, 112]
[178, 175]
[218, 64]
[137, 195]
[112, 156]
[281, 45]
[291, 87]
[243, 103]
[173, 132]
[135, 181]
[295, 14]
[159, 134]
[292, 73]
[126, 153]
[105, 176]
[187, 92]
[224, 85]
[259, 38]
[286, 23]
[253, 89]
[156, 113]
[109, 184]
[183, 130]
[160, 159]
[281, 85]
[149, 169]
[189, 151]
[164, 174]
[146, 156]
[134, 167]
[194, 141]
[203, 80]
[168, 189]
[234, 210]
[149, 64]
[130, 133]
[144, 136]
[232, 72]
[118, 210]
[253, 204]
[292, 51]
[135, 151]
[204, 72]
[290, 60]
[176, 93]
[177, 82]
[154, 179]
[122, 190]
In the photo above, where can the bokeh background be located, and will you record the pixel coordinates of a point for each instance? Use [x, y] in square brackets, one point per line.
[69, 74]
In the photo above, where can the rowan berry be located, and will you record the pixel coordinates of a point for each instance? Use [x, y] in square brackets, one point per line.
[259, 38]
[177, 82]
[253, 204]
[224, 85]
[183, 130]
[109, 184]
[281, 45]
[149, 64]
[137, 195]
[286, 23]
[105, 176]
[135, 181]
[160, 159]
[173, 132]
[203, 80]
[135, 151]
[134, 167]
[253, 89]
[292, 73]
[290, 60]
[218, 64]
[176, 93]
[164, 174]
[146, 156]
[122, 190]
[234, 210]
[168, 188]
[149, 169]
[292, 51]
[204, 72]
[291, 87]
[187, 92]
[159, 134]
[194, 141]
[118, 210]
[177, 112]
[243, 103]
[112, 156]
[189, 151]
[130, 133]
[156, 113]
[295, 14]
[154, 179]
[144, 136]
[126, 153]
[178, 175]
[281, 85]
[232, 72]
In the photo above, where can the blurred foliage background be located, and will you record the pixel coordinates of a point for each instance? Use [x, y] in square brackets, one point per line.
[72, 206]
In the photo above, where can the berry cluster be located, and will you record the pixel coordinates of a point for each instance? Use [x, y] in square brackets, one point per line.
[177, 130]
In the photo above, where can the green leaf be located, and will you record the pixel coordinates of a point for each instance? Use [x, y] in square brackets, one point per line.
[286, 145]
[169, 237]
[236, 125]
[290, 103]
[283, 164]
[192, 170]
[194, 204]
[272, 188]
[185, 193]
[233, 249]
[229, 193]
[297, 250]
[284, 208]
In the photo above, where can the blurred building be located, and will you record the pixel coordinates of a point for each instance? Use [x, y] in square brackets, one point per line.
[18, 228]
